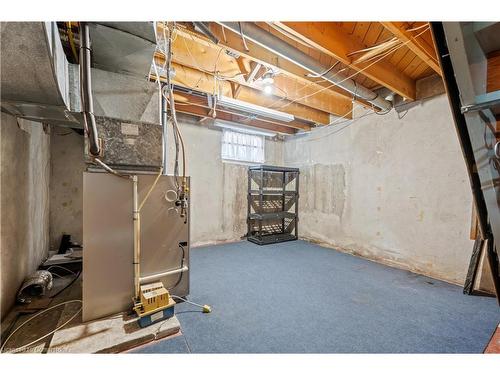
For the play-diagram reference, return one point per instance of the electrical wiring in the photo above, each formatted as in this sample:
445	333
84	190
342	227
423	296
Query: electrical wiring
150	190
177	133
109	169
379	58
47	334
243	37
179	279
62	268
320	75
206	308
419	27
213	72
77	275
347	123
354	74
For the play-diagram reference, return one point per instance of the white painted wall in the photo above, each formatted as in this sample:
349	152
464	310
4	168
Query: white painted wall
393	190
25	172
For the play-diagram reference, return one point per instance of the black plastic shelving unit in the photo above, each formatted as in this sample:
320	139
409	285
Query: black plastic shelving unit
273	197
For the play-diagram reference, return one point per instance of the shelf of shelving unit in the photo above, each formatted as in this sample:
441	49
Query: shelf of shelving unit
273	194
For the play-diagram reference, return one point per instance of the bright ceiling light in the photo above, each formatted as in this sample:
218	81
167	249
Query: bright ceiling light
268	90
254	109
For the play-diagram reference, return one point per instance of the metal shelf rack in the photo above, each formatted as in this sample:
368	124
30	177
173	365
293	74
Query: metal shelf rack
272	214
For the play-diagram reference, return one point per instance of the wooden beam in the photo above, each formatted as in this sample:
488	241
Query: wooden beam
417	45
339	101
235	89
332	39
493	77
242	66
192	78
204	113
195	52
255	69
202	101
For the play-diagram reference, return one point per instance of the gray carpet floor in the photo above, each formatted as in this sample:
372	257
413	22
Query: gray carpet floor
297	297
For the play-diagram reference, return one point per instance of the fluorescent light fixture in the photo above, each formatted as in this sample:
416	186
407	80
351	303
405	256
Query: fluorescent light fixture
243	128
254	109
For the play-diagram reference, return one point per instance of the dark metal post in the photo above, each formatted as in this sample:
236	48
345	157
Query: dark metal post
297	174
261	200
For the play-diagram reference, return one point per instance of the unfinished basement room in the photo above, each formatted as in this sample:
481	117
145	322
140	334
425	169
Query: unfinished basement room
235	187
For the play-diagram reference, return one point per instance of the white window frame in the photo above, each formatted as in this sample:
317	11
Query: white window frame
238	148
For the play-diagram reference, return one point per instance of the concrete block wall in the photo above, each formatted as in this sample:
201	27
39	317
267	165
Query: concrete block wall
25	175
390	188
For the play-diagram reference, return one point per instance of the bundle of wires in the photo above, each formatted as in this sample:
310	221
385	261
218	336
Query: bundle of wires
166	49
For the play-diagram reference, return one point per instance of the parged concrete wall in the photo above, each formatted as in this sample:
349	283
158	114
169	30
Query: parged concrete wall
66	185
390	189
25	171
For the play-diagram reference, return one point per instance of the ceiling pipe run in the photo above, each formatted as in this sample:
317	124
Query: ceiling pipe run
205	30
281	48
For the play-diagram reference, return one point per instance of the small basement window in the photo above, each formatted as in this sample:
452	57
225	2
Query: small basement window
242	147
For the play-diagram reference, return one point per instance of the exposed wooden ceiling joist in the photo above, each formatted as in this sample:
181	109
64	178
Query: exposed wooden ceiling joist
333	40
259	54
190	50
204	112
415	43
206	58
195	79
202	101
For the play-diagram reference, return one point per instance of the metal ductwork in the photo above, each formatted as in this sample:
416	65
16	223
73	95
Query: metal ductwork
86	90
287	51
39	84
36	77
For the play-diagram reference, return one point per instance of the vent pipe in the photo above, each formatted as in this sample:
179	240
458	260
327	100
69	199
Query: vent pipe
281	48
86	90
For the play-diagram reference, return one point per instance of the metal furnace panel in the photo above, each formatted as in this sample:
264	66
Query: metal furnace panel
108	278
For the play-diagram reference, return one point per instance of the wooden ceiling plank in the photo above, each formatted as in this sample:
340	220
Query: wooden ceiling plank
329	38
416	44
412	65
415	74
